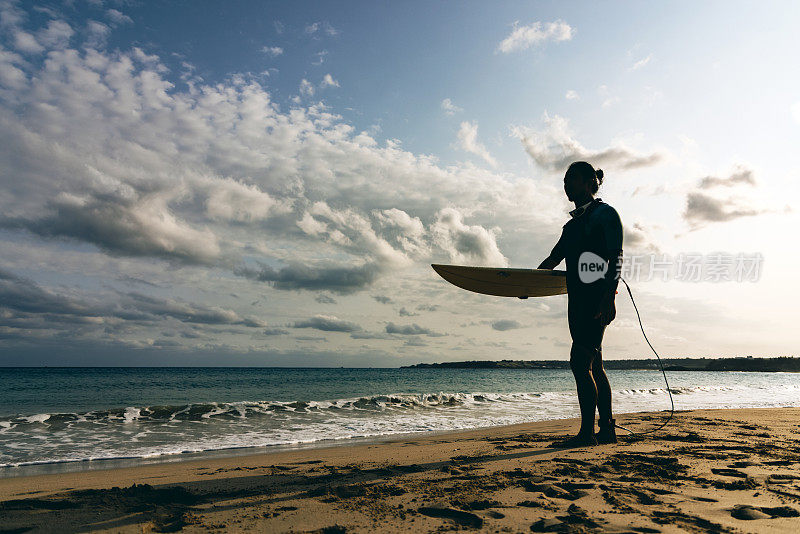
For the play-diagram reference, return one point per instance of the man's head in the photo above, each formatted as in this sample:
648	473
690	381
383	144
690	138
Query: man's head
581	181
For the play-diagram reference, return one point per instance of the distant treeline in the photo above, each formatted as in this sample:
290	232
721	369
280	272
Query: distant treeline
784	364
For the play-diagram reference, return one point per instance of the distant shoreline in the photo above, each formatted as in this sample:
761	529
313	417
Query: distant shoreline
785	364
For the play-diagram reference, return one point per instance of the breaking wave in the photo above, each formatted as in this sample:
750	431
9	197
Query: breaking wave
153	431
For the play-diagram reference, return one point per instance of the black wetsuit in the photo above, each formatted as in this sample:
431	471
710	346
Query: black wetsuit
596	229
591	239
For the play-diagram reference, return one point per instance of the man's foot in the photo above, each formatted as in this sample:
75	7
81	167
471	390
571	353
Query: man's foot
581	440
607	433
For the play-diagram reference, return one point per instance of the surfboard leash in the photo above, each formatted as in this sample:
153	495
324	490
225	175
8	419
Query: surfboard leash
661	366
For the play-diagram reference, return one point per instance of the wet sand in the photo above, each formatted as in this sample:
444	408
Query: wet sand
708	471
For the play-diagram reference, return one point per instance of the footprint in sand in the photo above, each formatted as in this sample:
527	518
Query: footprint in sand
781	478
576	520
482	504
749	513
728	472
554	491
466	519
742	463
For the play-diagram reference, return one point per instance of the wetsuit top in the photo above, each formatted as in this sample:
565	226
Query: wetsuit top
595	228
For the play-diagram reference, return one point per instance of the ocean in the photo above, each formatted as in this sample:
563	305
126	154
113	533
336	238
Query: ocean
59	419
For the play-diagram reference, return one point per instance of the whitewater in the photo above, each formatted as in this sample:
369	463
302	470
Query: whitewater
87	416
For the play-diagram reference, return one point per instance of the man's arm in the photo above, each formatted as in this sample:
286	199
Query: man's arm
549	263
555	257
606	309
612	231
614	270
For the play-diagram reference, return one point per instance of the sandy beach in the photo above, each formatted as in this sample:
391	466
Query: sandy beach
708	471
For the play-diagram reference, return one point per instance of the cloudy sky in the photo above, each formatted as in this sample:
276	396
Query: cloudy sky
258	183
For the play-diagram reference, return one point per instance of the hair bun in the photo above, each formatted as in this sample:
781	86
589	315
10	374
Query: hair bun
599	174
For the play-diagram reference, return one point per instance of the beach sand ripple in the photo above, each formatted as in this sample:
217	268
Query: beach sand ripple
710	471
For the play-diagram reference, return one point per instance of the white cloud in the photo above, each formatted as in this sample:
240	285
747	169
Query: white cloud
328	81
741	175
25	42
46	10
450	108
468	141
11	15
11	75
410	330
523	37
554	148
320	58
25	299
327	323
306	88
506	324
273	51
406	231
572	95
638	239
642	62
97	34
102	156
177	167
118	17
464	243
56	35
321	27
118	226
230	200
702	209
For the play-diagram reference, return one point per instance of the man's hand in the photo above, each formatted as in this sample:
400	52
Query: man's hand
606	311
548	263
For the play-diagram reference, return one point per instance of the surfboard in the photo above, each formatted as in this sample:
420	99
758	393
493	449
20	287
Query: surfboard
503	282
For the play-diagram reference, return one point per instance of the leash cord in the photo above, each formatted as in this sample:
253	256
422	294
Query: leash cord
661	366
